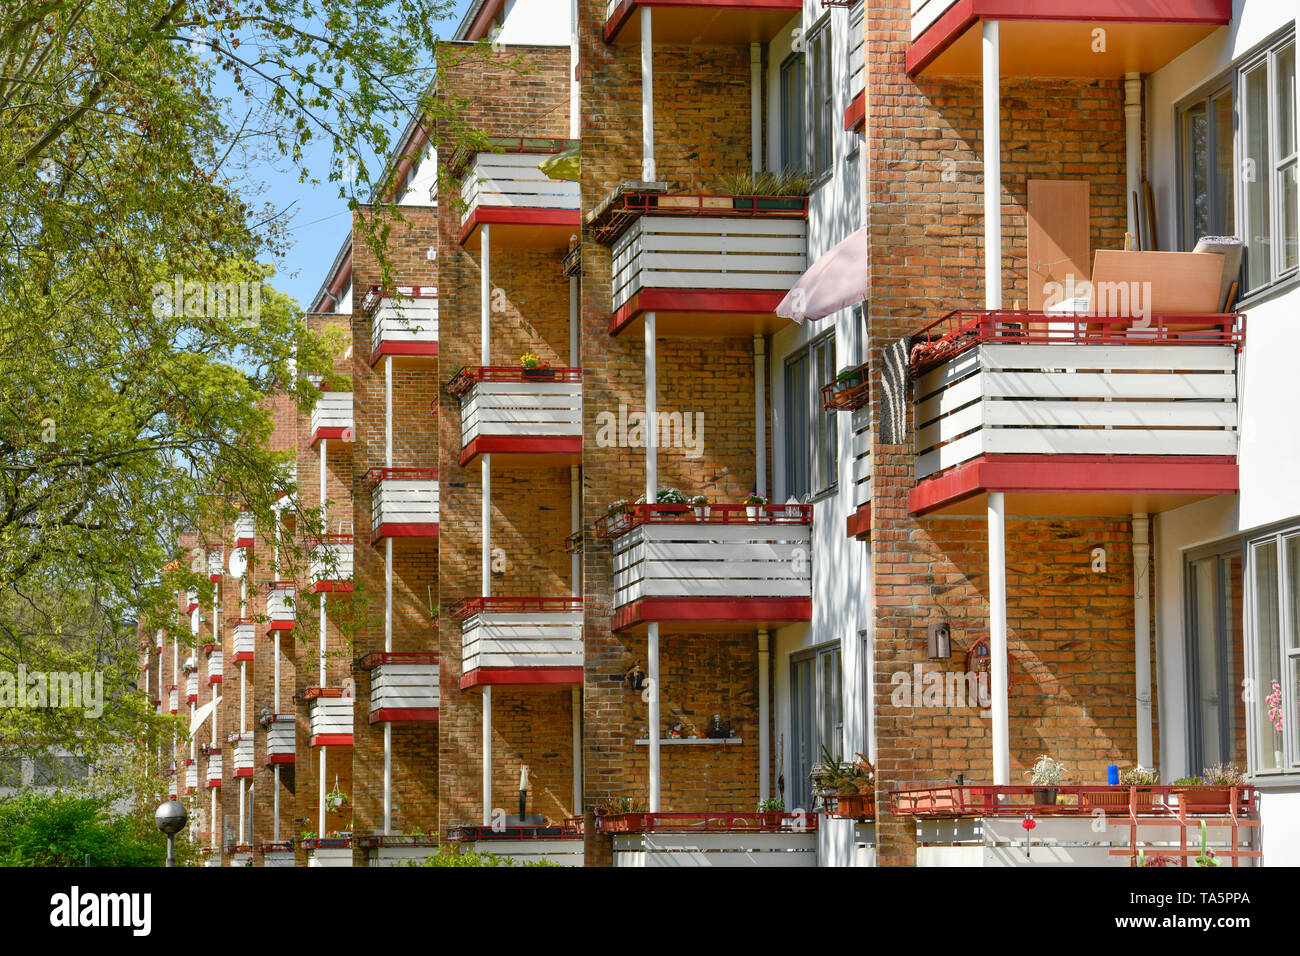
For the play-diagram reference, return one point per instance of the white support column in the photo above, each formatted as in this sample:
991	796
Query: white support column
760	415
243	807
998	638
1142	637
647	99
321	659
485	519
487	755
275	809
575	704
575	525
388	411
651	406
764	714
485	294
320	795
388	594
756	106
275	679
212	829
992	169
1132	148
243	697
574	292
323	443
652	668
388	777
575	89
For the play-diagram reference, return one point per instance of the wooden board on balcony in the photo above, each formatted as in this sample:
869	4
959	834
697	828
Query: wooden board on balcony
1056	237
1180	282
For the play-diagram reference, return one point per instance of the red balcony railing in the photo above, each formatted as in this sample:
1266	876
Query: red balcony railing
624	518
775	821
1080	800
375	475
379	658
466	378
468	607
612	219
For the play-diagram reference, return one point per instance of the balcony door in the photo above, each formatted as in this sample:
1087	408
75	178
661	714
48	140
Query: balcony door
1215	666
816	716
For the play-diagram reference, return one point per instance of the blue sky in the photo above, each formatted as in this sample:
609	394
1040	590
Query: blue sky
319	219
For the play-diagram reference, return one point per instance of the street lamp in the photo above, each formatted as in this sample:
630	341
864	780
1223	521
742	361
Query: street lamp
170	818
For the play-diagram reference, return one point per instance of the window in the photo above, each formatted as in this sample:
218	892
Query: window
811	446
821	95
816	716
792	87
1273	650
1216	671
1255	197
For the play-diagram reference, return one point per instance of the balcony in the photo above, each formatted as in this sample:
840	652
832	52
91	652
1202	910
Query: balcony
331	417
1056	39
520	641
281	738
523	416
706	265
330	716
214	769
712	839
508	191
398	849
245	530
403	503
1074	416
191	776
192	688
172	699
245	639
277	854
191	600
403	686
855	115
215	565
242	747
984	825
331	563
562	845
328	851
721	566
280	606
699	23
403	323
214	667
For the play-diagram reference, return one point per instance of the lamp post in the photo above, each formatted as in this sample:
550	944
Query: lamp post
170	818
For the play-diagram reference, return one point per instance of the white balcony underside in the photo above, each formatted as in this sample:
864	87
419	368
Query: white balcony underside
514	179
409	322
925	12
551	639
762	253
404	686
404	501
688	561
1077	400
715	849
331	716
522	409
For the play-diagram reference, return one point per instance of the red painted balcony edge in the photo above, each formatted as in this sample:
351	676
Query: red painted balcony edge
855	116
1077	474
280	626
332	587
280	759
623	12
342	434
722	301
244	772
521	445
404	715
712	610
331	740
214	679
858	524
245	542
404	529
519	216
521	676
214	783
242	656
417	349
954	21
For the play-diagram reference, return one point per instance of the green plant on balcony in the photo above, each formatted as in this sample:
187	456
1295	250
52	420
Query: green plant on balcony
1224	775
748	186
701	503
1139	777
850	785
535	366
1046	776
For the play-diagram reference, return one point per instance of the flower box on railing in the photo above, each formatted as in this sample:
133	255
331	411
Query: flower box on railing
245	639
849	392
327	843
403	321
281	738
403	502
280	605
331	563
853	806
208	749
245	529
779	821
403	686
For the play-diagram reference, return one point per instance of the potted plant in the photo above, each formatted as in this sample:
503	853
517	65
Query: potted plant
1047	775
335	800
535	367
671	497
1138	777
767	190
701	506
621	814
1210	792
753	505
771	811
846	789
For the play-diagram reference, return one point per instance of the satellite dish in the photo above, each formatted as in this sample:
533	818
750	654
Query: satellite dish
238	562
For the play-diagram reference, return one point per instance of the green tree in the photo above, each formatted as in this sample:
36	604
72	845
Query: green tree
59	829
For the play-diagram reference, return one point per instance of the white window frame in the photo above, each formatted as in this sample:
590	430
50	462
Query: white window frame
1288	580
819	76
823	431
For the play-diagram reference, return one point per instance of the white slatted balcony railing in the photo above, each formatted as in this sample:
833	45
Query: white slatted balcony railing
214	769
331	417
404	322
513	180
508	634
403	502
191	688
860	427
702	252
925	12
214	667
330	717
403	686
857	50
331	563
281	738
192	600
1162	391
191	775
244	643
245	529
216	564
242	747
172	698
280	605
732	555
513	409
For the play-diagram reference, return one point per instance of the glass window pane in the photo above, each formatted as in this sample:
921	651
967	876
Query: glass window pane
1196	149
1256	173
1205	634
796	426
1292	565
1285	73
1268	670
1221	218
1234	666
1289	232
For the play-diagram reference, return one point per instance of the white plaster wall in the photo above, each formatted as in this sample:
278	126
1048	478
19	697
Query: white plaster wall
422	184
536	22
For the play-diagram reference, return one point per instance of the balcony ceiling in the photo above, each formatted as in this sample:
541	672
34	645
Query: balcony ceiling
702	23
1056	40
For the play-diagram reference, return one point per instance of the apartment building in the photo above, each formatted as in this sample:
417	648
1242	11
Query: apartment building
950	523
